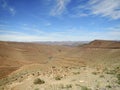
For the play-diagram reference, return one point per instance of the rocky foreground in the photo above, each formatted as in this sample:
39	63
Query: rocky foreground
27	66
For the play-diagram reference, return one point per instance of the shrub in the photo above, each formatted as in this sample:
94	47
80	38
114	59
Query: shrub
39	81
66	86
59	50
53	66
114	71
108	86
85	88
111	72
76	73
118	77
50	57
36	88
58	78
94	73
69	86
102	76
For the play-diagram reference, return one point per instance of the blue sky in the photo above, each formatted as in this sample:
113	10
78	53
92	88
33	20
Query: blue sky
59	20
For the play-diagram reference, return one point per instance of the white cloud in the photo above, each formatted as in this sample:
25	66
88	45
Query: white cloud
11	32
27	38
114	31
7	35
79	15
48	24
105	8
10	9
59	7
71	34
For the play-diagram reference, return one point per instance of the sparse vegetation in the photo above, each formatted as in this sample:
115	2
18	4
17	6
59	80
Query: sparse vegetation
58	78
78	85
39	81
33	74
114	71
50	57
118	78
111	72
69	69
69	86
53	66
108	86
102	76
85	88
59	50
66	86
94	73
36	88
75	73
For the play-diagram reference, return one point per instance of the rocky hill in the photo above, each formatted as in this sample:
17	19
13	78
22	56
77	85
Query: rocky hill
103	44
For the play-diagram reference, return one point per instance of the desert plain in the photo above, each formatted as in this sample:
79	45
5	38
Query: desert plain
35	66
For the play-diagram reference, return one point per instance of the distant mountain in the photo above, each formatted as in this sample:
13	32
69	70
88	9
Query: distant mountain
103	44
64	43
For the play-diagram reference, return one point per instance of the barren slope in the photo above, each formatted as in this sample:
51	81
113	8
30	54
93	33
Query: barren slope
93	66
103	44
14	55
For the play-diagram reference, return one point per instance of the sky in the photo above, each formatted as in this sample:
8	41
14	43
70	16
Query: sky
59	20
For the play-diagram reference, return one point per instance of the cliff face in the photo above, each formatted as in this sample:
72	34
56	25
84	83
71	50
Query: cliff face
103	44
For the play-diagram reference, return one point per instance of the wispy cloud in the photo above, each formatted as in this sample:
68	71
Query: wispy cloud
15	37
59	7
78	14
6	25
48	24
72	34
8	35
11	32
105	8
114	31
10	9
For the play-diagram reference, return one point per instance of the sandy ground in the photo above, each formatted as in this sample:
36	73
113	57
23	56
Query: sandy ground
58	68
71	78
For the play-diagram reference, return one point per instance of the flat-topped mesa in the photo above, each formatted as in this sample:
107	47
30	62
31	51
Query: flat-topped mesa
103	44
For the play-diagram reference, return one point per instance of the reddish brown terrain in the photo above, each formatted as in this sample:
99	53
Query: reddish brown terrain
15	54
103	44
83	64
